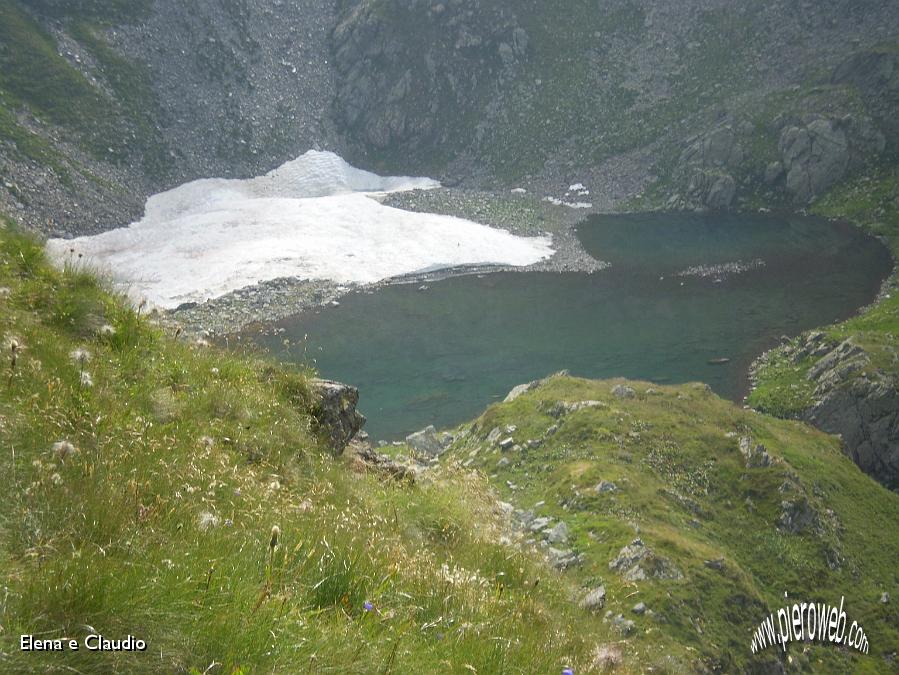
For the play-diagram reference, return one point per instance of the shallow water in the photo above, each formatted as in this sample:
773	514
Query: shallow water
439	356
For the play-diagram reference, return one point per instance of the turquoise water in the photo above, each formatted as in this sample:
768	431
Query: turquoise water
442	355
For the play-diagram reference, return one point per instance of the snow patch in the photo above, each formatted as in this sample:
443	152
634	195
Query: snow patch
571	205
315	217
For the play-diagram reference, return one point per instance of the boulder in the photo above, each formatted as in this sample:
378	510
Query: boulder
557	534
605	486
622	391
721	193
426	442
773	172
797	516
595	600
755	455
334	413
815	157
636	562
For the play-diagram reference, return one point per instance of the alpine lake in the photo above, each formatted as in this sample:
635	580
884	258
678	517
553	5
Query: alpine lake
687	298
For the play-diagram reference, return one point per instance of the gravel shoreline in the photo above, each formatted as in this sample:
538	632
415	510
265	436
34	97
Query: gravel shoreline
521	214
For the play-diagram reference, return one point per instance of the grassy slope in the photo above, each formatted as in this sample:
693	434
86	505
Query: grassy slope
683	482
871	202
113	537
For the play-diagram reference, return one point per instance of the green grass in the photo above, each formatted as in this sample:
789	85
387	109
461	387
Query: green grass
160	524
682	481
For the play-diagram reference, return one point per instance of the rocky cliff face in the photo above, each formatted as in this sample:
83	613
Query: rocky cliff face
697	104
849	396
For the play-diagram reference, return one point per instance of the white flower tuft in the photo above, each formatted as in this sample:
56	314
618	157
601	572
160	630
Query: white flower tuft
86	379
207	521
106	330
80	356
63	450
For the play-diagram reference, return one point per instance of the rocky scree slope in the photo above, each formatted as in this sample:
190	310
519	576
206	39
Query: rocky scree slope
104	102
689	104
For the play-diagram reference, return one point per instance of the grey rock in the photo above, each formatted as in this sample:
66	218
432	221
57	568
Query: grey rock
815	157
540	524
625	626
639	608
334	413
506	443
426	442
558	534
755	455
636	562
798	516
595	600
721	193
503	463
623	391
773	172
605	486
520	41
563	559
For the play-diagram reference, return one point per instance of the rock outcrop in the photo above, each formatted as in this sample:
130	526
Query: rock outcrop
864	411
852	399
335	414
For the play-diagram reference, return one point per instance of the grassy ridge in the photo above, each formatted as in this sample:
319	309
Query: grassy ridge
684	488
158	521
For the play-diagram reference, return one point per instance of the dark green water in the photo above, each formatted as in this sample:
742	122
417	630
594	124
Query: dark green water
442	355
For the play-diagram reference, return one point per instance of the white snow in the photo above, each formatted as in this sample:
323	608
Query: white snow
313	218
555	201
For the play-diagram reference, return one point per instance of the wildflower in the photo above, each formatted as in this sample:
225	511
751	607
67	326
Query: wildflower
207	521
214	371
276	533
229	522
367	606
14	348
56	479
106	330
63	450
86	379
80	356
